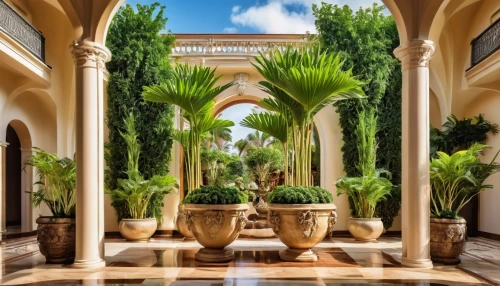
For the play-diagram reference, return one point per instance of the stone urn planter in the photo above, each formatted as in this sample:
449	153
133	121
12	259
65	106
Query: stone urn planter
448	237
365	229
261	208
56	239
215	227
181	224
137	230
301	227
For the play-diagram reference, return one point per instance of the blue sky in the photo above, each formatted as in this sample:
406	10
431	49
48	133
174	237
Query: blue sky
244	16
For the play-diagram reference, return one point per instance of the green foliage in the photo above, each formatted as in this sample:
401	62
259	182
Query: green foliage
235	168
211	195
57	183
299	195
456	179
133	194
367	146
263	161
140	57
214	162
460	134
366	40
365	192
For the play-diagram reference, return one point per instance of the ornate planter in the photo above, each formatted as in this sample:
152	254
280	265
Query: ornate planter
137	229
365	229
215	227
448	238
301	227
261	208
56	239
181	224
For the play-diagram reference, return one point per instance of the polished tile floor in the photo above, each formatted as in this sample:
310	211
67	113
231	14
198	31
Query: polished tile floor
171	262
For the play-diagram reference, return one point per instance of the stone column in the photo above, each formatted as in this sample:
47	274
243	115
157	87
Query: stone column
3	178
415	206
26	185
90	58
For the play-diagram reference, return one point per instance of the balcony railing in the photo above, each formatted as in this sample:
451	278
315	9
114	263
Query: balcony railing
486	43
23	32
232	44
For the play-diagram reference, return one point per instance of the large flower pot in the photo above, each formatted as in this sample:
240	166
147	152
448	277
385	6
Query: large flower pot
137	230
365	229
301	227
181	224
215	227
448	238
56	239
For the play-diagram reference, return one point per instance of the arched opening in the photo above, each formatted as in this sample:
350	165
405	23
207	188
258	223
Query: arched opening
13	181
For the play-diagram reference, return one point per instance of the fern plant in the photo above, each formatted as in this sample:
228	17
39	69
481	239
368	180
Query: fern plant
57	183
135	191
456	179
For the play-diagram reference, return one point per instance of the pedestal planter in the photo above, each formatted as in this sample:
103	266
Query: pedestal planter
137	229
181	224
215	227
301	227
56	239
365	229
447	239
262	209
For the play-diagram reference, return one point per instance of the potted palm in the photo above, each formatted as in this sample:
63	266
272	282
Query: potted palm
193	89
215	216
57	189
365	191
455	180
135	192
300	82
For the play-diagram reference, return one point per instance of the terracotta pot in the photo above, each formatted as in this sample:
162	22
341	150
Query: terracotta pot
448	238
56	239
181	224
137	229
301	227
215	227
365	229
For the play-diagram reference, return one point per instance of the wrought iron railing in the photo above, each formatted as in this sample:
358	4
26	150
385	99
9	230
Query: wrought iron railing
485	44
231	45
23	32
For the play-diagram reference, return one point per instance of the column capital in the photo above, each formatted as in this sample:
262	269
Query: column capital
415	53
90	54
4	144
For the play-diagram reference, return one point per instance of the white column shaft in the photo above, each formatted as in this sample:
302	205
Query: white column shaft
415	205
3	178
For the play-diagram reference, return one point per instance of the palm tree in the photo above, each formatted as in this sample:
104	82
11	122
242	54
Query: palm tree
242	146
309	80
258	139
193	89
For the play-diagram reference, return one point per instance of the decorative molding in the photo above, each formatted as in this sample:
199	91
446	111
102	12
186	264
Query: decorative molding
18	28
332	220
213	220
274	220
90	54
4	144
242	220
414	54
188	218
308	222
241	79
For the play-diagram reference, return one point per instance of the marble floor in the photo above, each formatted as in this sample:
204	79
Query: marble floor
171	262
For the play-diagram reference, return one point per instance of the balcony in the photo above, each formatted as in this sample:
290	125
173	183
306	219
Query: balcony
23	32
231	45
487	43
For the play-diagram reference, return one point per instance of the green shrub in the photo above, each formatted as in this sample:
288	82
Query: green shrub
211	195
299	195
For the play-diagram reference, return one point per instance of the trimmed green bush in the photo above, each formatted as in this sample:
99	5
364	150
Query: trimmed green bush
299	195
210	195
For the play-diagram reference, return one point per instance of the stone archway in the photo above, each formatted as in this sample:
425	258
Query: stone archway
18	210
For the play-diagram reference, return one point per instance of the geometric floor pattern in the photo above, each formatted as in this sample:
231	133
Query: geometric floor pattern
170	261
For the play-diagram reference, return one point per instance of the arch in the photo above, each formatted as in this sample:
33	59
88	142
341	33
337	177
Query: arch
26	175
234	100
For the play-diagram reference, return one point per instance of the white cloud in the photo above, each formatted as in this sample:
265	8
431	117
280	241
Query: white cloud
275	18
230	30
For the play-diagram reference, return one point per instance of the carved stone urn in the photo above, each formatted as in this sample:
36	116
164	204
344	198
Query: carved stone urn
365	229
215	227
261	207
56	239
448	237
181	224
301	227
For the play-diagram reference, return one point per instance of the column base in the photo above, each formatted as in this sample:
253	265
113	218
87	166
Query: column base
417	263
98	263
